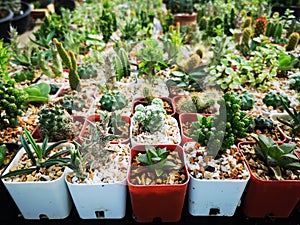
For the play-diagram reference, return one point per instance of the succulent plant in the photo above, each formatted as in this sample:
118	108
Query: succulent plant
246	37
87	70
192	63
260	26
113	100
247	99
2	154
263	124
69	60
202	23
180	6
157	159
55	123
12	99
295	82
39	157
274	99
152	116
220	131
275	156
247	23
292	41
121	64
13	5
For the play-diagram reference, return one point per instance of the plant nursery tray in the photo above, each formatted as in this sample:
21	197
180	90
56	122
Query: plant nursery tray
186	219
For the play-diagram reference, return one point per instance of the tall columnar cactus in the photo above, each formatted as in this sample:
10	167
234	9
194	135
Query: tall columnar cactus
55	123
246	37
121	64
69	60
292	42
247	22
202	23
260	26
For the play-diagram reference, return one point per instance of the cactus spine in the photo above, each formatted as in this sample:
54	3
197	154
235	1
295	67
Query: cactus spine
292	42
260	26
69	60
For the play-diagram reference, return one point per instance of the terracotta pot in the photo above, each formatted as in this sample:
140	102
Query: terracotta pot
185	19
276	198
164	201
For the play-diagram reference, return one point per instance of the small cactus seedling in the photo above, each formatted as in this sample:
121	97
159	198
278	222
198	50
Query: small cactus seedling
273	99
113	100
151	117
247	23
248	100
192	63
55	123
292	42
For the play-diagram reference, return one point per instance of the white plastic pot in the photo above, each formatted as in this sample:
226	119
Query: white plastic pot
214	197
99	201
35	200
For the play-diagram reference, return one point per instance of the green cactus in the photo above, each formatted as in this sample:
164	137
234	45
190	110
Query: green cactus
247	99
2	154
246	37
55	123
121	64
152	116
273	99
69	60
294	82
202	23
292	42
87	71
192	63
260	26
247	23
180	6
113	100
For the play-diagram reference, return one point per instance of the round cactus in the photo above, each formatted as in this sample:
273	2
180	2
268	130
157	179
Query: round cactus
292	41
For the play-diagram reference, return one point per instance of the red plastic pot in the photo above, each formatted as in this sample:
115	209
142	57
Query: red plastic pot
275	198
188	117
141	100
164	201
96	118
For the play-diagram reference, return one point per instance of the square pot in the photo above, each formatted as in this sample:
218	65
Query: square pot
164	201
36	200
275	198
99	201
8	208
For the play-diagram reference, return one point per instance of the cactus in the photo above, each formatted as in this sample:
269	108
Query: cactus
192	63
246	37
87	70
247	99
247	23
121	64
260	26
180	6
202	23
273	99
69	60
55	123
292	42
152	116
113	100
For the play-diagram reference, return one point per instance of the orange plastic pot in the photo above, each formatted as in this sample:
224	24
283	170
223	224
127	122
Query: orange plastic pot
163	201
274	198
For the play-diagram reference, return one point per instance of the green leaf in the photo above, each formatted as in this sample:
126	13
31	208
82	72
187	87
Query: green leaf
287	147
277	172
51	147
19	172
142	158
27	149
44	146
